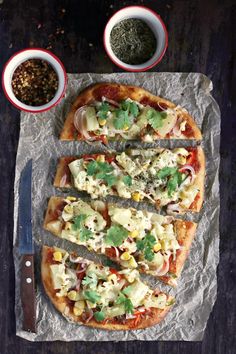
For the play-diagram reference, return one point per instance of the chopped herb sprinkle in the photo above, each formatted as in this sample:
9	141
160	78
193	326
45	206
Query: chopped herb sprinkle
132	41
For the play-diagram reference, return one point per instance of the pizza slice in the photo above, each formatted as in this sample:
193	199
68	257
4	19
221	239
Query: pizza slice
173	179
98	296
109	111
136	239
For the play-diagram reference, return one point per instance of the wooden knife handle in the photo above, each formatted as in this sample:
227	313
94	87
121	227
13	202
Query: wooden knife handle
28	293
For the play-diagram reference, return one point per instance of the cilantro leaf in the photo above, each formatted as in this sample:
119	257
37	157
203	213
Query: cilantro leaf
146	246
92	296
90	281
174	178
166	171
78	225
116	235
127	290
127	180
99	316
78	221
122	119
122	299
131	107
155	118
85	234
103	110
102	170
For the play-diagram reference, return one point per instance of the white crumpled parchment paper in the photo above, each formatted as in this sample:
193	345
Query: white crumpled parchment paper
197	287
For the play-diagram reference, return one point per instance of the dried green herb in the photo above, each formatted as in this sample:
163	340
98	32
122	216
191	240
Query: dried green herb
132	41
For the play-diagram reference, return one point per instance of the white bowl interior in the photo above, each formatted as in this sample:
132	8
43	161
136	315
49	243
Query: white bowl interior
33	54
152	21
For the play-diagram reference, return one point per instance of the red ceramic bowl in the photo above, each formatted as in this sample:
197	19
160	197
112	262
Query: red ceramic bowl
156	24
33	53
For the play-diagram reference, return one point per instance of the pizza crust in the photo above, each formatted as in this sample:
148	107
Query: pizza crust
121	92
200	180
60	303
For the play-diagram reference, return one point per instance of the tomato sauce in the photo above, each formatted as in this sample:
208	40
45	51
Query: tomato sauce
188	132
108	91
157	106
193	160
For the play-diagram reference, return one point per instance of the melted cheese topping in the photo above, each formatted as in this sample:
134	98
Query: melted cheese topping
143	173
136	223
103	123
113	293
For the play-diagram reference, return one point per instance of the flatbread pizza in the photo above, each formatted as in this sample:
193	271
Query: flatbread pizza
100	297
135	239
171	179
110	111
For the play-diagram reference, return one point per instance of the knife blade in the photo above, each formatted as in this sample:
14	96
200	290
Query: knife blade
26	249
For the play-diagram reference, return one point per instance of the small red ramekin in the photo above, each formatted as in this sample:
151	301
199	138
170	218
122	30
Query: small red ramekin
33	53
156	24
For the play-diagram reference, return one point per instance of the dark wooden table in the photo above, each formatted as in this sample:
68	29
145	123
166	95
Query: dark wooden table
201	39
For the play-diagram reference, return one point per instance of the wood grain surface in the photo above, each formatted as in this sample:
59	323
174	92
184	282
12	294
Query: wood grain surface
202	38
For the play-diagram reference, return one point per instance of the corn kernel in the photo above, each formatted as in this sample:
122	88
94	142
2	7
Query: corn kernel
133	233
73	295
136	196
69	209
80	305
102	122
100	158
125	256
157	247
132	262
126	127
112	277
68	225
71	199
77	312
57	256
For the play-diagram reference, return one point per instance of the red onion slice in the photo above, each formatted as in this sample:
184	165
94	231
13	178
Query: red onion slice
188	168
63	181
163	270
176	130
112	102
80	123
90	316
117	252
78	285
129	316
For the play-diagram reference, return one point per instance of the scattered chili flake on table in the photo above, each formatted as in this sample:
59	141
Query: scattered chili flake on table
35	82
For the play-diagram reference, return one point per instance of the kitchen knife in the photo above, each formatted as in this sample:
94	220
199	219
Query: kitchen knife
26	248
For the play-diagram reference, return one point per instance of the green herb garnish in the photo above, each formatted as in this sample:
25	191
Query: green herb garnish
102	170
146	246
122	119
174	178
155	118
78	225
122	299
103	110
127	180
90	281
92	296
99	316
116	235
131	107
